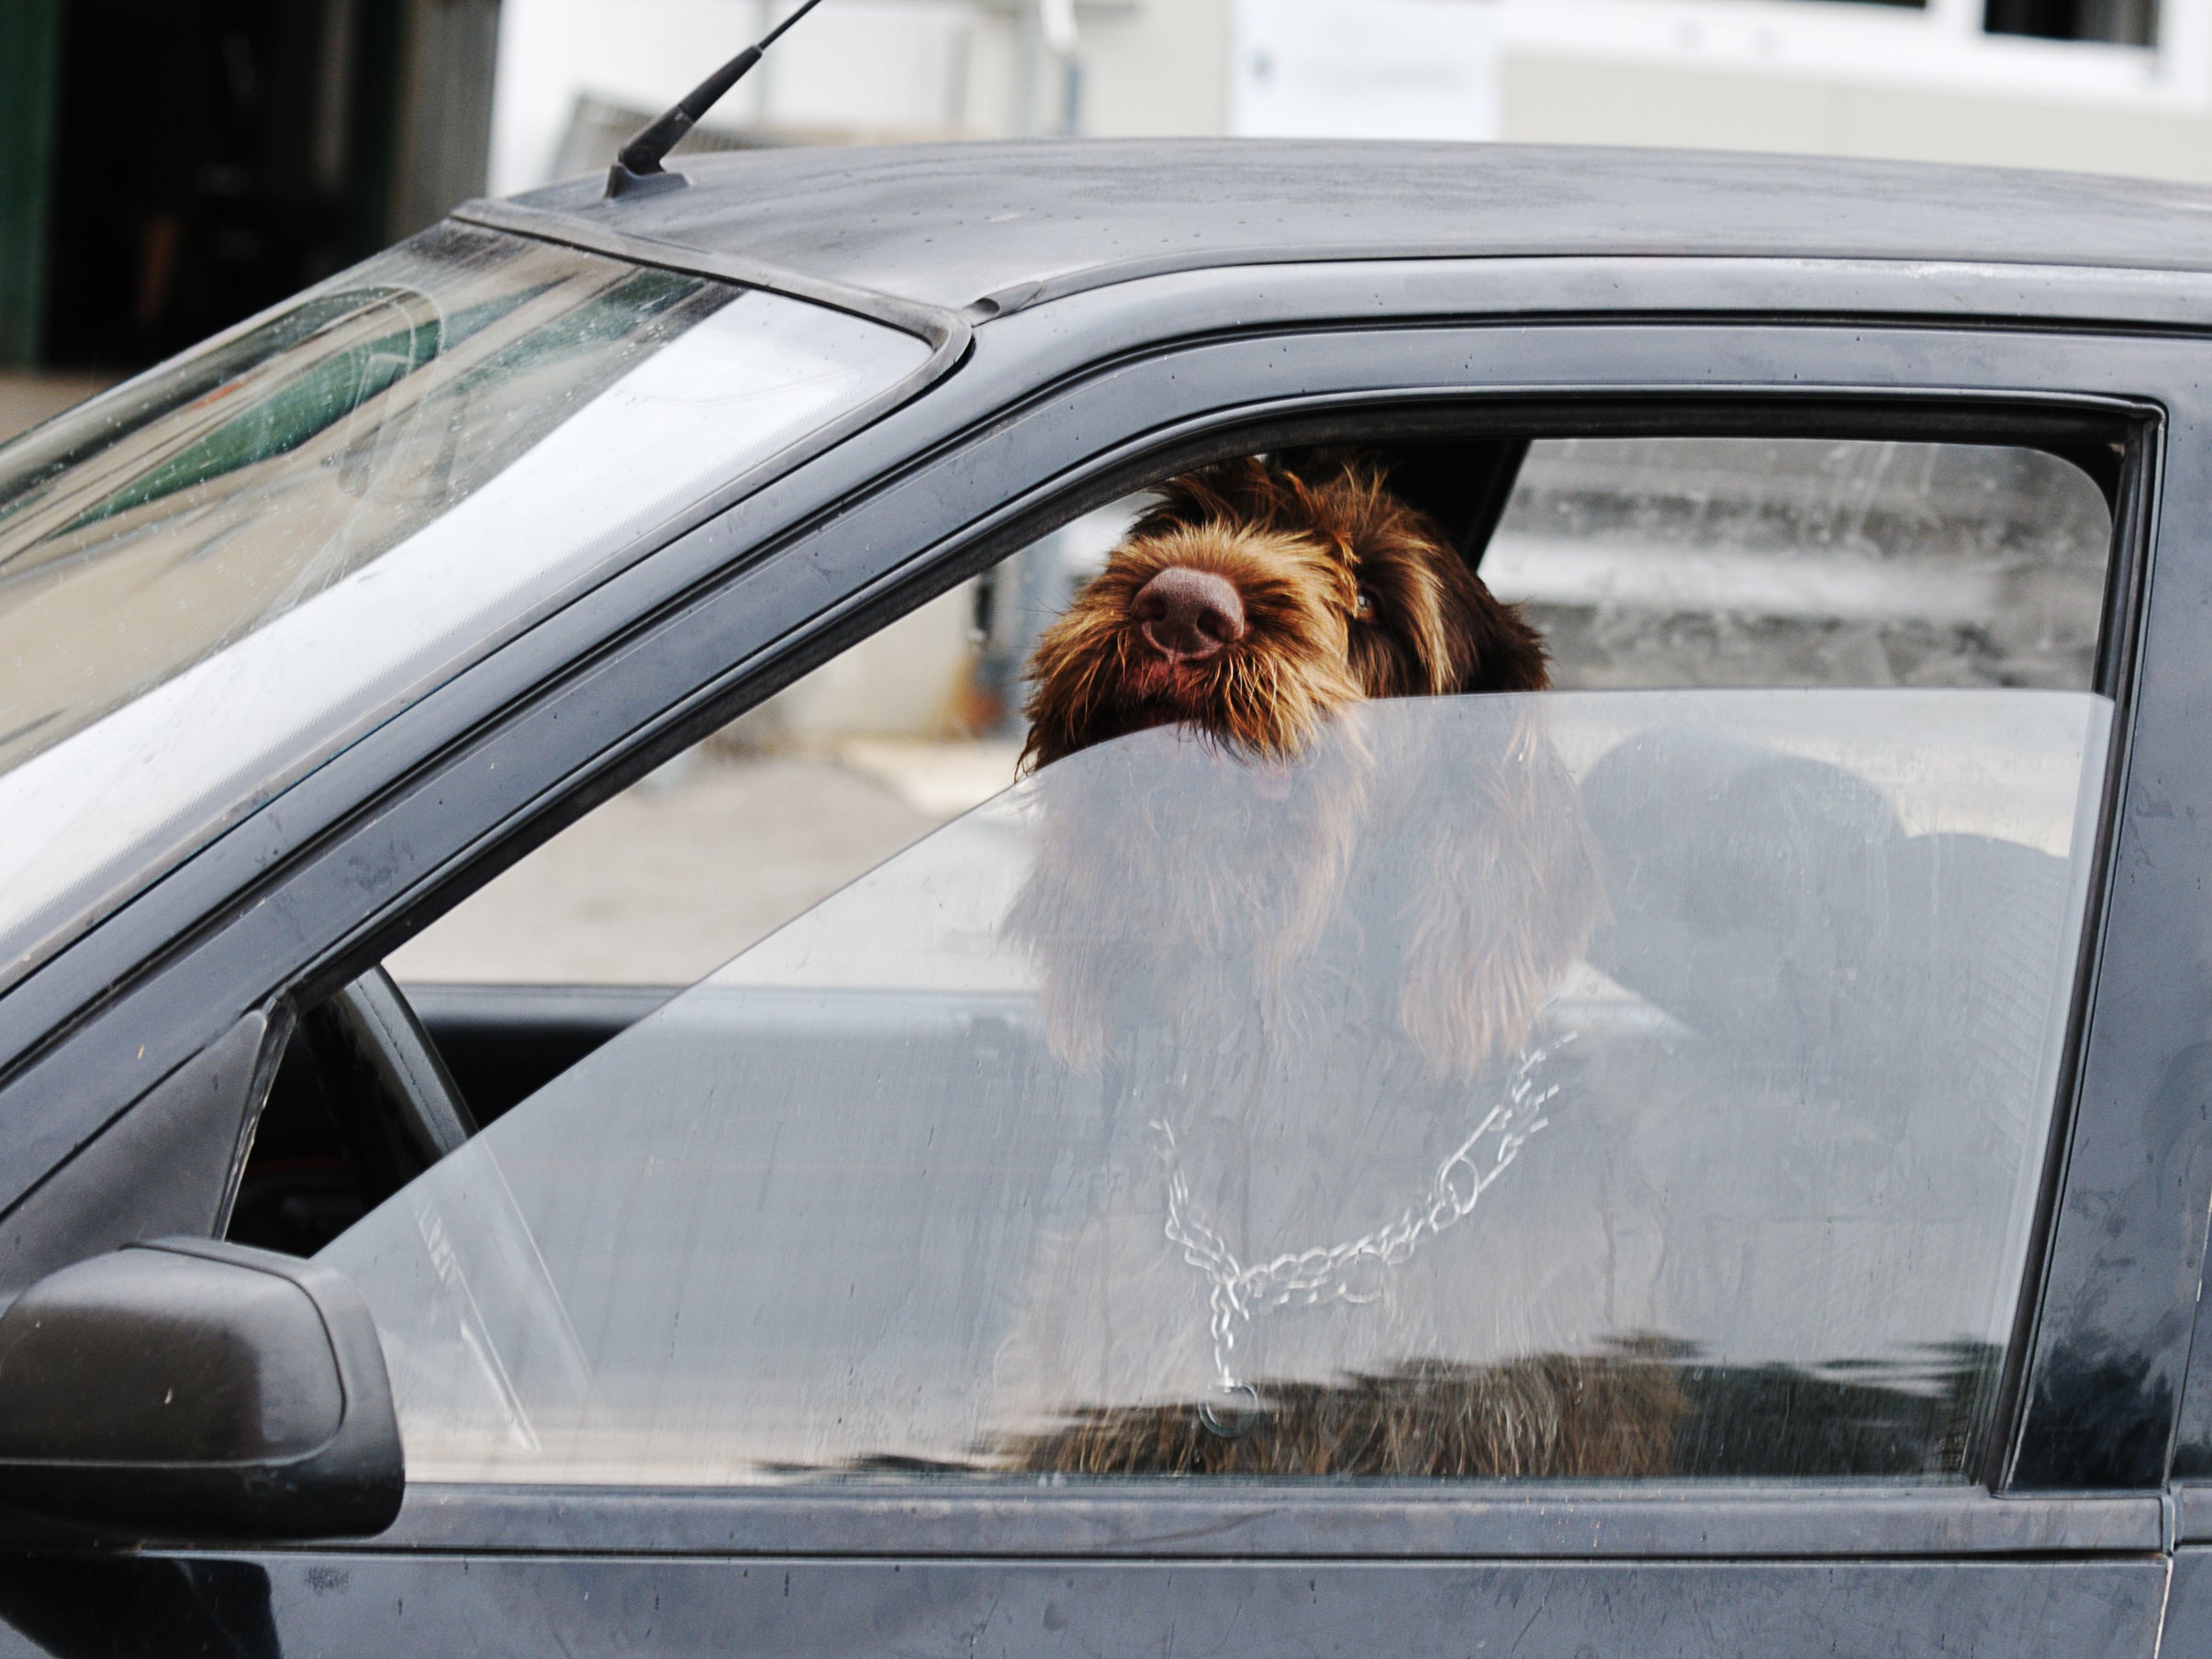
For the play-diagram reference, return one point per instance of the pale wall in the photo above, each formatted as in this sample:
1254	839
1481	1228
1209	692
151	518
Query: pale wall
1166	71
1585	103
1161	67
1161	72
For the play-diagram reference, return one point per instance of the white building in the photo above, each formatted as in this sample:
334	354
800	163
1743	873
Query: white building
2129	92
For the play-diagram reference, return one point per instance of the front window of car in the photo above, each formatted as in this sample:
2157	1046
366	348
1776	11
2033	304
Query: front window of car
213	576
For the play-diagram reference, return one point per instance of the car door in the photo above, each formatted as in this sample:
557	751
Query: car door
2048	1535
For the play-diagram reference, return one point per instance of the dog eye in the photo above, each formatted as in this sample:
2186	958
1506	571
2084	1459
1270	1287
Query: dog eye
1363	604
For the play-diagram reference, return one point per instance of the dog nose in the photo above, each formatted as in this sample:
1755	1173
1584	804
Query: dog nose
1189	615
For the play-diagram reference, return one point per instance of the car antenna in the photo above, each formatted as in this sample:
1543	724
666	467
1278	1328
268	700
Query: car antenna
638	169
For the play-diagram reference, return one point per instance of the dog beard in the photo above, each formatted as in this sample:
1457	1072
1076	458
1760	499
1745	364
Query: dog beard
1407	880
1178	892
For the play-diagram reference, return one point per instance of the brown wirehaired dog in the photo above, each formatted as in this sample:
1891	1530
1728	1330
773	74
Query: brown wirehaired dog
1301	940
1251	603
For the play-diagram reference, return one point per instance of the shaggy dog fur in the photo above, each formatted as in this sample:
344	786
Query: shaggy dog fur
1242	945
1550	1416
1146	871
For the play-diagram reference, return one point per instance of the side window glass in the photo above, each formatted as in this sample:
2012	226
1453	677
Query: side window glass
1575	1086
1389	1077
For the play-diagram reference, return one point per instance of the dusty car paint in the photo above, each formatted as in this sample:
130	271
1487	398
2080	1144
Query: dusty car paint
2020	305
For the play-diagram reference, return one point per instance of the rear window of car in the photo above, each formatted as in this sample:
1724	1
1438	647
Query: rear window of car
214	574
1588	1084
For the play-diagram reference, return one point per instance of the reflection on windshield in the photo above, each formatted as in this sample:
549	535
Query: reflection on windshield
1594	1084
213	576
198	512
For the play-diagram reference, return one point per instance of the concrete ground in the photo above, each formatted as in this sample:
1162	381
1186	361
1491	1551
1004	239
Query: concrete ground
668	881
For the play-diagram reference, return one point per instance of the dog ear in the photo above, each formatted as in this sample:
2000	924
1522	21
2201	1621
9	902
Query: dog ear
1500	651
1501	887
1446	634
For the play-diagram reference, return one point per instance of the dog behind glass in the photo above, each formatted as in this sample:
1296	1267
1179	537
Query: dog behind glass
1305	946
1245	610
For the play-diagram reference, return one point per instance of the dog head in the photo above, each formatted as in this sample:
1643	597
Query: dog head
1246	608
1252	602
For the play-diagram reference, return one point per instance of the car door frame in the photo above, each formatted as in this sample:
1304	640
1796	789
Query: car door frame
659	678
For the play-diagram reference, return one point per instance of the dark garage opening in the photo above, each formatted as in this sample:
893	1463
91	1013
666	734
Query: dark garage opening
205	159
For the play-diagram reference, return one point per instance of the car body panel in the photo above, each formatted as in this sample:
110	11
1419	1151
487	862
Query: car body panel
2188	1625
952	225
1330	1520
800	1605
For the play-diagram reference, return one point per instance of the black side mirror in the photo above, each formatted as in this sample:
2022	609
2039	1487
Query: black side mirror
192	1390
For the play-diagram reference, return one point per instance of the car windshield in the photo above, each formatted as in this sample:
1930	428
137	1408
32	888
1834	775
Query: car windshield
216	574
1591	1084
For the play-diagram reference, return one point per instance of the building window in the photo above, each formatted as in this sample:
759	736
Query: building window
2142	54
2116	22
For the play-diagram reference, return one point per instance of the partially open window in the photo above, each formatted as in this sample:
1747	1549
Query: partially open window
1641	561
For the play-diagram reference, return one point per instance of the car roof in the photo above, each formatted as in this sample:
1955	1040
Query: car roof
951	225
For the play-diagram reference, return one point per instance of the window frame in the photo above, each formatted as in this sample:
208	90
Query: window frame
597	718
1690	1517
1676	1516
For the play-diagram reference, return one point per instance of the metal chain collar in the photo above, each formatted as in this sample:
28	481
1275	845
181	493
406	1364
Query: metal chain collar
1240	1294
